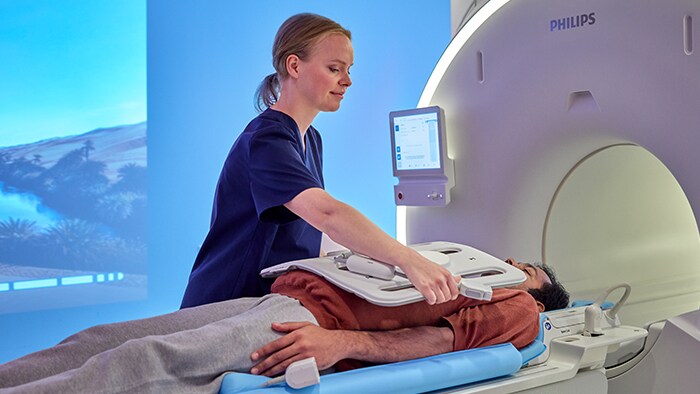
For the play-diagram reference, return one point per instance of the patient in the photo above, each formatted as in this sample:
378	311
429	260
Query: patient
189	350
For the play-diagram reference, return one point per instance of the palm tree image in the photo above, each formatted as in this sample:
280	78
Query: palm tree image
133	178
61	215
88	146
72	243
17	230
18	238
101	222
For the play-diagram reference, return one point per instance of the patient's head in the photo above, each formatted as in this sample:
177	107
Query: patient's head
542	285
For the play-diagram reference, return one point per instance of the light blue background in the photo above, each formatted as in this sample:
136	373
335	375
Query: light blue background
205	60
70	66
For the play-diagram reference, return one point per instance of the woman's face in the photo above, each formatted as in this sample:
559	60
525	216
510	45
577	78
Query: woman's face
325	75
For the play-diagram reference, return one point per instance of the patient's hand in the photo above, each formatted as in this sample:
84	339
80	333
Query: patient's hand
437	284
303	340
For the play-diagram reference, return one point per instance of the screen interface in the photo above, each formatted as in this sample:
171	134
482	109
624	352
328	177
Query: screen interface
417	146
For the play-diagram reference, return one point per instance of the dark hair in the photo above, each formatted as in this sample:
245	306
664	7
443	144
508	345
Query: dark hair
552	296
295	37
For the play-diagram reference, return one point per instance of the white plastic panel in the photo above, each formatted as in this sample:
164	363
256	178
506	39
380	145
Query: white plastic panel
480	272
524	105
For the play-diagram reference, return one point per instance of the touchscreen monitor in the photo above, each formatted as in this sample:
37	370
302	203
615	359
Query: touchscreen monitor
417	139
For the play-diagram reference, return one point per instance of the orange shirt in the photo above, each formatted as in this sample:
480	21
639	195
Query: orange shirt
510	316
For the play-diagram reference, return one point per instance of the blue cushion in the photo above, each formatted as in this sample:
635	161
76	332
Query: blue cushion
604	305
421	375
532	350
463	367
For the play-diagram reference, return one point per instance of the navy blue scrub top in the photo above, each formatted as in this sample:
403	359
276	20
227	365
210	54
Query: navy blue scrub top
250	227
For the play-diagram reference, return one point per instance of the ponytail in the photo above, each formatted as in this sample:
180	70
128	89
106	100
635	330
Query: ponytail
267	93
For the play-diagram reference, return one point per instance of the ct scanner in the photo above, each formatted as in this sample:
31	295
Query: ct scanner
575	142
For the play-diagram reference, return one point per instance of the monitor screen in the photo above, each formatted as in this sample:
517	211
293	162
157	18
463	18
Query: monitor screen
416	141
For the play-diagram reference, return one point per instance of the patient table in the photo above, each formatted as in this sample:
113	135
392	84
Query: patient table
574	363
558	353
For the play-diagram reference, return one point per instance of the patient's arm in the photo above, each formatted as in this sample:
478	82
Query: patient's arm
330	346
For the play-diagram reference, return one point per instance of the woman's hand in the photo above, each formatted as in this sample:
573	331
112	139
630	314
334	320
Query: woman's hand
350	228
437	284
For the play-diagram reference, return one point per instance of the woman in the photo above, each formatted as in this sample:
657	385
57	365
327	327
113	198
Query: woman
270	206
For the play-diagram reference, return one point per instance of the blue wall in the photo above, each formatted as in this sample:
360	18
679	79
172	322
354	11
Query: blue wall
205	60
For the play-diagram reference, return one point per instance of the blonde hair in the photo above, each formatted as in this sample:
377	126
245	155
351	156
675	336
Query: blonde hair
296	36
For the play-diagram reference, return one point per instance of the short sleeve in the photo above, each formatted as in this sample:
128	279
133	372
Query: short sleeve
514	319
277	173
